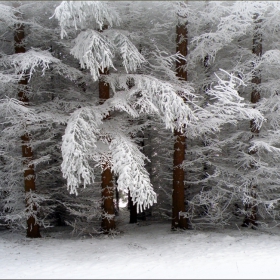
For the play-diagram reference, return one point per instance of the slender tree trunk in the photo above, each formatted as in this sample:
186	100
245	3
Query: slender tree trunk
131	207
33	229
107	185
178	195
251	208
108	222
132	210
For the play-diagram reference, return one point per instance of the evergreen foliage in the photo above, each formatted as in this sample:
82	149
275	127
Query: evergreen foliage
74	136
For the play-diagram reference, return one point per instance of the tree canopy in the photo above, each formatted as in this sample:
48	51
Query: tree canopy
71	47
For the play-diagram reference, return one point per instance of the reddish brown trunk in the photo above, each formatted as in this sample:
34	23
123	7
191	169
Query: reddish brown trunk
251	217
107	186
33	230
178	195
104	89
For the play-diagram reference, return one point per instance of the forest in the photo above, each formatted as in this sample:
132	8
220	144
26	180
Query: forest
139	110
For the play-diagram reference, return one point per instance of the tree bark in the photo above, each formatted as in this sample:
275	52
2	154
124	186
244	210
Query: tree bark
178	195
251	208
33	229
107	185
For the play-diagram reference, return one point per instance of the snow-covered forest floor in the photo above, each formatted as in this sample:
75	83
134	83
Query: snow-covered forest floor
147	250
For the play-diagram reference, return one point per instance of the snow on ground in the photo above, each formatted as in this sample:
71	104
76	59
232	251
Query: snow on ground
145	251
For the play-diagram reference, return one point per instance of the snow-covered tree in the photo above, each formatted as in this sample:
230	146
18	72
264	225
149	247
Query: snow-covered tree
229	177
39	116
75	50
87	133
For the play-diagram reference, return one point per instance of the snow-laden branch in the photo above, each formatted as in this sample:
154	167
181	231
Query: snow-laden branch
171	102
239	19
94	52
75	13
128	163
228	105
15	111
8	14
66	71
157	97
268	59
85	145
258	145
78	147
163	64
26	63
122	102
131	57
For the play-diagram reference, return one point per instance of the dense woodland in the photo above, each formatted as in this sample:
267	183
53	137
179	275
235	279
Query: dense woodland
169	108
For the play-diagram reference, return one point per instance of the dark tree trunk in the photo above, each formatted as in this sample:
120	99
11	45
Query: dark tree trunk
131	207
178	195
132	210
251	208
107	185
33	229
107	188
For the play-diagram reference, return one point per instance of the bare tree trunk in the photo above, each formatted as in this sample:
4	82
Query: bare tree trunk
251	208
178	195
33	229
